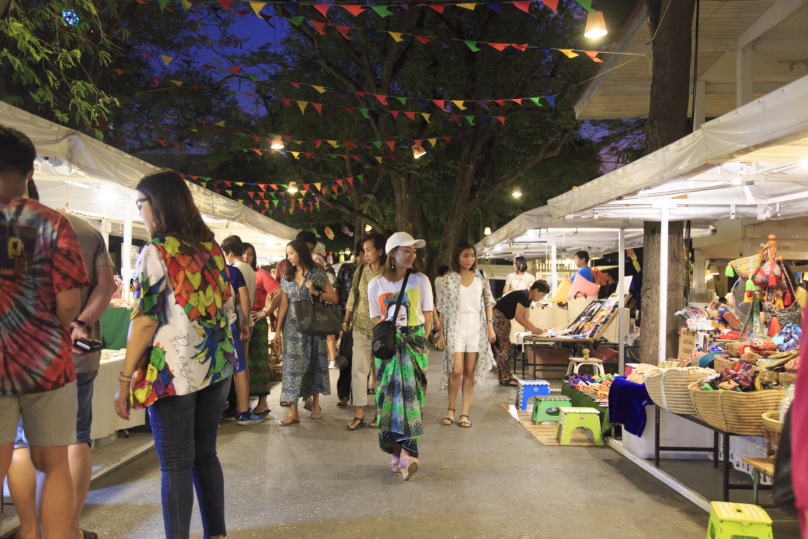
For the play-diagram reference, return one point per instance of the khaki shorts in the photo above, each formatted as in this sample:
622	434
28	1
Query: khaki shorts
48	418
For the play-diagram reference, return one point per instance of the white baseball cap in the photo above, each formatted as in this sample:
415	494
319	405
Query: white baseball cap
402	239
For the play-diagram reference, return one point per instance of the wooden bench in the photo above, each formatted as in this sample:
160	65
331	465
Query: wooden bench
759	466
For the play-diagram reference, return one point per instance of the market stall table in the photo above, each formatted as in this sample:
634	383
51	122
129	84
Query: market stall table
105	420
543	354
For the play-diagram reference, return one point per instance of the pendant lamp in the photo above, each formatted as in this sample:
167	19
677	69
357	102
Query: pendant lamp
595	25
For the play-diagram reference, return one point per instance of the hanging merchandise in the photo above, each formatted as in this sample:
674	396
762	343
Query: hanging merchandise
346	231
329	233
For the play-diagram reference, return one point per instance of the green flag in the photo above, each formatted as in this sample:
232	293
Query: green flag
383	11
470	119
296	20
402	99
472	45
536	100
378	144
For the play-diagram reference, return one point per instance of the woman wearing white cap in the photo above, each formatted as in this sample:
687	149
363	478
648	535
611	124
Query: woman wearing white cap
401	380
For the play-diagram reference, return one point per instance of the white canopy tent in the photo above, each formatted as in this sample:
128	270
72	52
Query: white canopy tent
86	176
751	163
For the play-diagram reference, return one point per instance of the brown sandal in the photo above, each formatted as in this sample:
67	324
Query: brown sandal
317	414
285	423
446	418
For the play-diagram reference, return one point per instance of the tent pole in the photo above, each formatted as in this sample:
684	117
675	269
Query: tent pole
126	260
663	284
621	300
554	261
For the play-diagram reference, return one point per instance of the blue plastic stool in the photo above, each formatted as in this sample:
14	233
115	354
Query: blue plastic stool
529	389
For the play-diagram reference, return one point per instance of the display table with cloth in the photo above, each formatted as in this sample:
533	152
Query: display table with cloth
115	327
581	400
627	402
105	420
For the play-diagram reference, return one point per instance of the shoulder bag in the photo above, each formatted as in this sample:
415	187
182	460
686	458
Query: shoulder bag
316	318
384	333
346	342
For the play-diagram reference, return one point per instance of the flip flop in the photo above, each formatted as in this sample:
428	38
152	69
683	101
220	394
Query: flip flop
318	416
282	424
359	425
308	405
511	383
451	421
286	404
262	413
468	420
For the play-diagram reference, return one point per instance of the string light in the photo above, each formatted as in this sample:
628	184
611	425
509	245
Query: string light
517	192
277	143
292	188
368	228
418	151
487	230
595	25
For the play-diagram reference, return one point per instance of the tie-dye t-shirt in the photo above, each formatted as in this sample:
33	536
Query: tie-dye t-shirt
40	257
193	346
382	297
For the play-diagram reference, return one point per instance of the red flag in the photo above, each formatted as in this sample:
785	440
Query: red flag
194	178
119	71
295	84
207	67
349	109
594	56
356	157
501	119
440	103
410	115
354	10
335	188
235	69
423	39
196	86
257	138
257	151
162	142
287	102
350	181
437	7
520	47
176	144
499	102
382	98
225	4
552	4
306	187
517	101
447	139
361	94
524	6
394	113
392	144
275	187
263	188
454	117
319	26
317	142
248	94
288	138
242	13
344	31
323	9
319	107
339	182
157	80
502	46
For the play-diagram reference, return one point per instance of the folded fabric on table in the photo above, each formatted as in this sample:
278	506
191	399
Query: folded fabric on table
788	338
627	402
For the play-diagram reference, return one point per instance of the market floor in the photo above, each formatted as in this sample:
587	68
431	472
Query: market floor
316	479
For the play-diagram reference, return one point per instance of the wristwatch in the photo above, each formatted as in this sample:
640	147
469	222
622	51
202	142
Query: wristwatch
82	323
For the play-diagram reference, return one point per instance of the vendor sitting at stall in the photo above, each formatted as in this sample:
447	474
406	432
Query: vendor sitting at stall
582	263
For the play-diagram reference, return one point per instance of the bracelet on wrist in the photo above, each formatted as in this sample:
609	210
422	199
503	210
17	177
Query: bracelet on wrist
123	378
82	323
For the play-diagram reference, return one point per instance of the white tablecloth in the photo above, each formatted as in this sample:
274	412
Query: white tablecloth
105	420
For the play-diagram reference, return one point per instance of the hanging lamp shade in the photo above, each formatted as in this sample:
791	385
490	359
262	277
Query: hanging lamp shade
487	230
595	25
517	192
418	151
277	143
292	188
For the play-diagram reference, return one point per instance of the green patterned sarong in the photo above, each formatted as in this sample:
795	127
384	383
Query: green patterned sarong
258	360
400	390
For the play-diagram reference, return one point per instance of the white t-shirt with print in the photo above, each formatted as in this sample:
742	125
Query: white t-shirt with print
249	278
382	296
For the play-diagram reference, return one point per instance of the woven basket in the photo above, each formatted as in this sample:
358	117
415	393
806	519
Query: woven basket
772	423
676	392
787	379
767	376
721	364
734	411
653	384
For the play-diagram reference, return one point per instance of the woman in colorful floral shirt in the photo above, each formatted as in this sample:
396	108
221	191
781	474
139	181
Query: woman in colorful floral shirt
180	354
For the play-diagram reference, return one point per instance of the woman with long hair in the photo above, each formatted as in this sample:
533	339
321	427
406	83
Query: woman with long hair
520	279
305	357
258	355
359	321
180	355
466	329
401	380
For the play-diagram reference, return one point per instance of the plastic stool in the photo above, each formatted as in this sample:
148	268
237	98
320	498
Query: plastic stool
576	362
529	389
728	520
572	418
542	406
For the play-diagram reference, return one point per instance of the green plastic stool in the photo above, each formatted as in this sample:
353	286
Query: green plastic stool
542	405
573	418
728	520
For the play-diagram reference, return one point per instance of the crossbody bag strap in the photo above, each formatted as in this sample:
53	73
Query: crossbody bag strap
400	297
210	269
356	292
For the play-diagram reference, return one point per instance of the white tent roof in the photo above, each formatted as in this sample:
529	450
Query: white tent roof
532	233
745	164
78	172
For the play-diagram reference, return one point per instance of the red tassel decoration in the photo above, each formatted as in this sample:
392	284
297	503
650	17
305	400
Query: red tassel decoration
774	327
788	299
772	280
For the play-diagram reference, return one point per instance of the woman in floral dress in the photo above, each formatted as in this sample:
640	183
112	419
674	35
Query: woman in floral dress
467	329
305	357
520	279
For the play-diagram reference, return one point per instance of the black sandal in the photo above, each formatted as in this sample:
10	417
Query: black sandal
451	421
468	420
511	383
88	535
308	405
286	404
359	425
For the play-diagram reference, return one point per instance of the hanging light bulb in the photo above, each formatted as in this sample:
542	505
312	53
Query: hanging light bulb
417	151
595	25
368	228
517	192
277	143
347	251
292	188
487	230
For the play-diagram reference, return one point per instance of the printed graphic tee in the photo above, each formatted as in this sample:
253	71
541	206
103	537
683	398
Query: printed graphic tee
382	297
40	257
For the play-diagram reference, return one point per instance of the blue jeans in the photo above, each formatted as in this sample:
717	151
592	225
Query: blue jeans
185	429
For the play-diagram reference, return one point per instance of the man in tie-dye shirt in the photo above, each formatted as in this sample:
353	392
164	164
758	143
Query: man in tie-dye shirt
41	273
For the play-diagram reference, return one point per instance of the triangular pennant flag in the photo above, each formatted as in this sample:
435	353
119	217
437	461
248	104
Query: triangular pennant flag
350	110
402	99
396	36
483	104
594	56
377	143
320	89
392	144
500	46
445	41
287	102
459	105
323	9
302	105
467	6
426	116
379	159
333	143
296	155
382	98
157	80
394	113
318	186
552	4
472	45
320	26
447	139
437	7
162	4
433	141
520	47
119	71
317	142
382	11
550	99
568	53
354	10
517	101
494	6
499	102
248	94
257	7
319	107
410	115
501	119
361	94
225	3
364	112
267	18
535	100
586	4
177	82
296	20
166	59
344	31
470	119
423	39
455	117
234	70
441	104
524	6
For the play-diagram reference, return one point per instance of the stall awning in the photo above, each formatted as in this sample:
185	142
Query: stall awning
750	163
83	174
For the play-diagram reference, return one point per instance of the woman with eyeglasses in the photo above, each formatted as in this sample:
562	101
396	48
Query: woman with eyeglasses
180	355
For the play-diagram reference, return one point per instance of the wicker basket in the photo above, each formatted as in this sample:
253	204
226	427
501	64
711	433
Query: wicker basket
721	364
653	384
676	392
787	379
767	376
734	411
771	422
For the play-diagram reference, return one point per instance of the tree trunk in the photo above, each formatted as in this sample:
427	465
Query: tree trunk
670	22
649	348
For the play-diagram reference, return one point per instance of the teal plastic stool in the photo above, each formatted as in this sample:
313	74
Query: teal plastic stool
545	408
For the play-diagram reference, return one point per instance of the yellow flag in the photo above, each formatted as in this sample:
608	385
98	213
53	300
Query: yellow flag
302	105
177	82
379	159
568	53
195	130
240	202
229	192
296	154
257	6
298	142
318	186
426	116
320	89
467	6
396	36
433	141
292	209
239	183
332	143
220	124
459	105
166	59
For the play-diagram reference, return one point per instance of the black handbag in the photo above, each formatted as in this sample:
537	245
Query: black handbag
384	333
316	318
346	342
